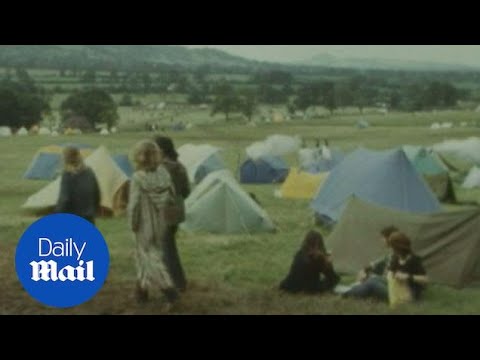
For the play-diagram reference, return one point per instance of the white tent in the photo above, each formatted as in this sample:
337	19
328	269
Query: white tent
104	132
22	132
44	131
275	145
5	131
447	125
110	178
435	126
468	149
473	179
199	159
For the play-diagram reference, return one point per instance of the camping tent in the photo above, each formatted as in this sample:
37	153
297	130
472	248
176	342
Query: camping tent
104	132
44	131
274	145
473	178
112	181
47	163
320	165
435	171
467	149
265	170
219	205
5	131
200	160
301	185
385	178
448	242
363	124
22	132
124	164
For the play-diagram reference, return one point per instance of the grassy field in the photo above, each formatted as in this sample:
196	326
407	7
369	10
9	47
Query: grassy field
227	274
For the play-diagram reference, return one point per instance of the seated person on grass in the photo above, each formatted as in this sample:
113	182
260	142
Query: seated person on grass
312	270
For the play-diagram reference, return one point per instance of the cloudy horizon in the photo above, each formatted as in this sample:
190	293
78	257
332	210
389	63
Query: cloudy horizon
448	54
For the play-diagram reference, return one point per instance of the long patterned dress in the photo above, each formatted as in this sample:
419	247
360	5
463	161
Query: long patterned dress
149	193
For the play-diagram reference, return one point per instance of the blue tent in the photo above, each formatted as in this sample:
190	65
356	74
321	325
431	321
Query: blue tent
45	166
323	165
124	164
47	163
209	165
385	178
265	170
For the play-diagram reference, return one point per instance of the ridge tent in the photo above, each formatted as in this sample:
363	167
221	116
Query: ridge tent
123	162
219	205
473	178
264	170
434	170
302	185
5	131
111	179
384	178
200	160
47	163
44	131
448	242
22	132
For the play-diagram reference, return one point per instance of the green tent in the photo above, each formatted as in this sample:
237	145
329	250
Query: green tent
219	205
434	170
448	242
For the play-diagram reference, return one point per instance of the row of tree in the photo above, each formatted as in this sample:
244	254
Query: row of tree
24	105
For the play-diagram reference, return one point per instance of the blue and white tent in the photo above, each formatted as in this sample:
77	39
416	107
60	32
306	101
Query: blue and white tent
385	178
47	163
124	164
200	160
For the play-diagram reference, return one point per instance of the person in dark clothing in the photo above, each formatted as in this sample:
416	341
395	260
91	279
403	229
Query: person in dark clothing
79	189
372	279
405	266
179	176
312	270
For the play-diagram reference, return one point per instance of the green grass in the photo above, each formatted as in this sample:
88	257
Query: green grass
227	274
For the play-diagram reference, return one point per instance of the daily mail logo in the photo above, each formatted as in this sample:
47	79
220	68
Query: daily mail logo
48	270
62	260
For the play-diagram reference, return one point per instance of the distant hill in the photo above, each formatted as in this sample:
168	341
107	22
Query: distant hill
332	61
119	56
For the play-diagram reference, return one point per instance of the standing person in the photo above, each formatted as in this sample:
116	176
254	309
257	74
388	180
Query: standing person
79	190
179	176
312	270
151	189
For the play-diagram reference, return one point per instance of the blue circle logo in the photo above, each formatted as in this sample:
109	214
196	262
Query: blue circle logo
62	260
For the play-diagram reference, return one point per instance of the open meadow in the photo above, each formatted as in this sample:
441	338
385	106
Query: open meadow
227	274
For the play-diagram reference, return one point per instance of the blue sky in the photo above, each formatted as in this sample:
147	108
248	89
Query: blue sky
453	54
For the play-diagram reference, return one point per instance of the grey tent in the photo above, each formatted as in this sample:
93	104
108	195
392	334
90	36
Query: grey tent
448	242
219	205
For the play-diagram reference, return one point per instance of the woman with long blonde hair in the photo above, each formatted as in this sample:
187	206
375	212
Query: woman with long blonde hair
79	190
151	190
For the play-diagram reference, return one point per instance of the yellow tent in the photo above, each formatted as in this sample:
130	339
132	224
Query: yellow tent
302	185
